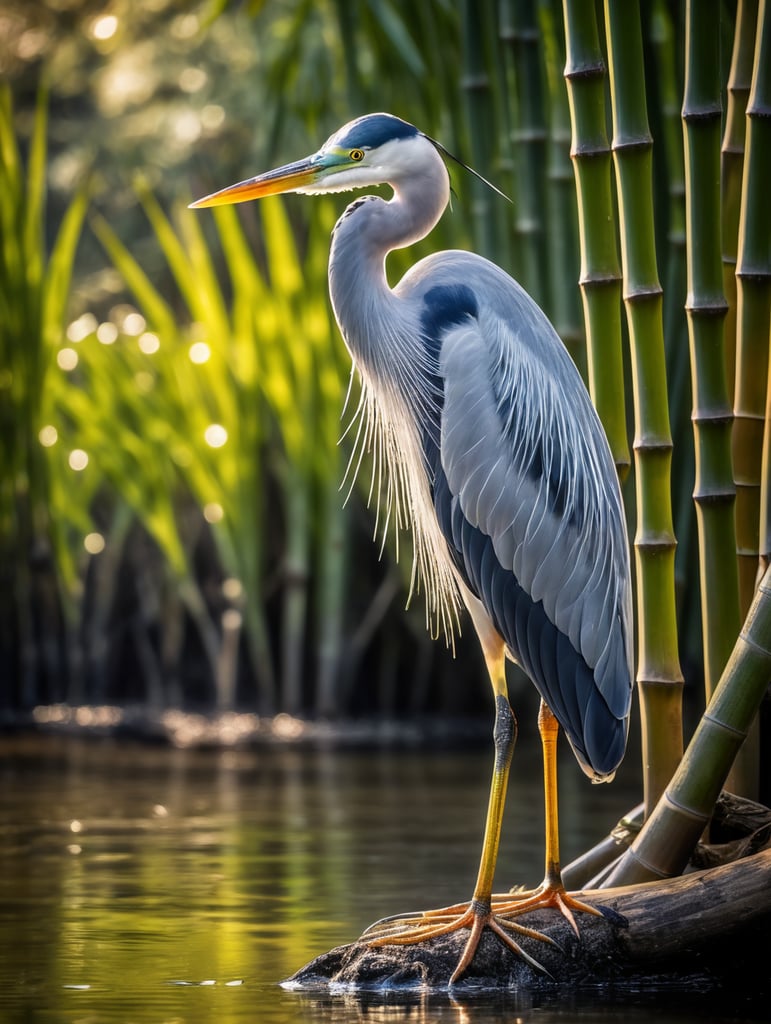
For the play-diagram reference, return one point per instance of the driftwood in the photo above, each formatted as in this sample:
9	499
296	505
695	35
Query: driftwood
707	930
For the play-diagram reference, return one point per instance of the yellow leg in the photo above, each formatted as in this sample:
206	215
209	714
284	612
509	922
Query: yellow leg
551	892
480	912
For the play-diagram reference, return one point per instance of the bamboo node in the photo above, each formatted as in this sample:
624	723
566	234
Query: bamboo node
643	292
723	726
712	499
658	544
689	812
585	71
754	645
702	114
708	308
598	279
755	275
630	143
646	444
590	150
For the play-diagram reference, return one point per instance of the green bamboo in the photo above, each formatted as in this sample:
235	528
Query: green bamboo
714	492
658	675
600	279
562	212
739	82
667	52
521	36
670	834
759	112
765	497
753	279
477	87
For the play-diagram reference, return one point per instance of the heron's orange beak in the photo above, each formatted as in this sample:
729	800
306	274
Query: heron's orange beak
289	178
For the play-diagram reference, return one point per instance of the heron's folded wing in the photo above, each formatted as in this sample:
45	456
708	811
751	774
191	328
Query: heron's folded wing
526	491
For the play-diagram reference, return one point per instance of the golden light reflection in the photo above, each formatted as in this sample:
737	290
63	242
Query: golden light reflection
48	436
149	343
78	459
67	359
134	324
107	333
232	589
104	27
199	352
215	435
213	512
94	543
192	79
81	328
187	126
212	117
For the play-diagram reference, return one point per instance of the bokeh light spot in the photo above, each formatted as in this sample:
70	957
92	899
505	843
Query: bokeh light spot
149	343
213	512
48	436
81	328
199	352
215	435
67	358
94	543
104	27
107	333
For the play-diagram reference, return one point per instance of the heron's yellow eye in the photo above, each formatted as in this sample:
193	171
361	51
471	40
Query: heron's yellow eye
356	154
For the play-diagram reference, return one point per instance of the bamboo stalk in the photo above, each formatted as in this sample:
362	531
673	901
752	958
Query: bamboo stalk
667	50
714	492
758	111
564	251
670	834
739	82
658	675
477	93
528	141
753	280
600	278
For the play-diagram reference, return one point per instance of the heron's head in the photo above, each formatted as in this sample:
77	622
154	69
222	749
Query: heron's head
369	151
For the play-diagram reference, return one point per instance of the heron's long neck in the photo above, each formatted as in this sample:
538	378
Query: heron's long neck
398	408
373	320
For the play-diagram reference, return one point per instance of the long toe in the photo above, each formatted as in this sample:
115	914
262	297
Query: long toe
513	905
432	924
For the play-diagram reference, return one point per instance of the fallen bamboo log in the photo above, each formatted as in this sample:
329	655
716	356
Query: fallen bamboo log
707	929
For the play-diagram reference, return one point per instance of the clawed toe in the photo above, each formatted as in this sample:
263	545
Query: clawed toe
402	930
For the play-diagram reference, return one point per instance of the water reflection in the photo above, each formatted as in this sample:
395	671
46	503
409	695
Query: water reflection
152	884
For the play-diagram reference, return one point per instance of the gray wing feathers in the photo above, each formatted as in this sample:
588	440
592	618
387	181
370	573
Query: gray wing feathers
526	456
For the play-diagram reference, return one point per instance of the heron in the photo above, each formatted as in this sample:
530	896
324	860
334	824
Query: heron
492	452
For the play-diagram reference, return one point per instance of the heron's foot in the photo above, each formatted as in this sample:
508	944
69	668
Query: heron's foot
476	916
547	895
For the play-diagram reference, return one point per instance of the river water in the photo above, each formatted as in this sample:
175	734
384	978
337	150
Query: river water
143	883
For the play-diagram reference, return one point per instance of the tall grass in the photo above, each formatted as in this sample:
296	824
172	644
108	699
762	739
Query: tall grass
34	291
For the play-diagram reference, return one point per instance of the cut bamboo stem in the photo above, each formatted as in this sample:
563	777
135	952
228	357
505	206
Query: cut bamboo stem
670	834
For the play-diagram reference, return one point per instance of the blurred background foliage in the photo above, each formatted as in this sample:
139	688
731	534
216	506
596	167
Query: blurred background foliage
172	525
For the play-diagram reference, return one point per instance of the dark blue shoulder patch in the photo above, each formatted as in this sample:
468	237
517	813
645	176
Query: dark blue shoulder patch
373	130
444	306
